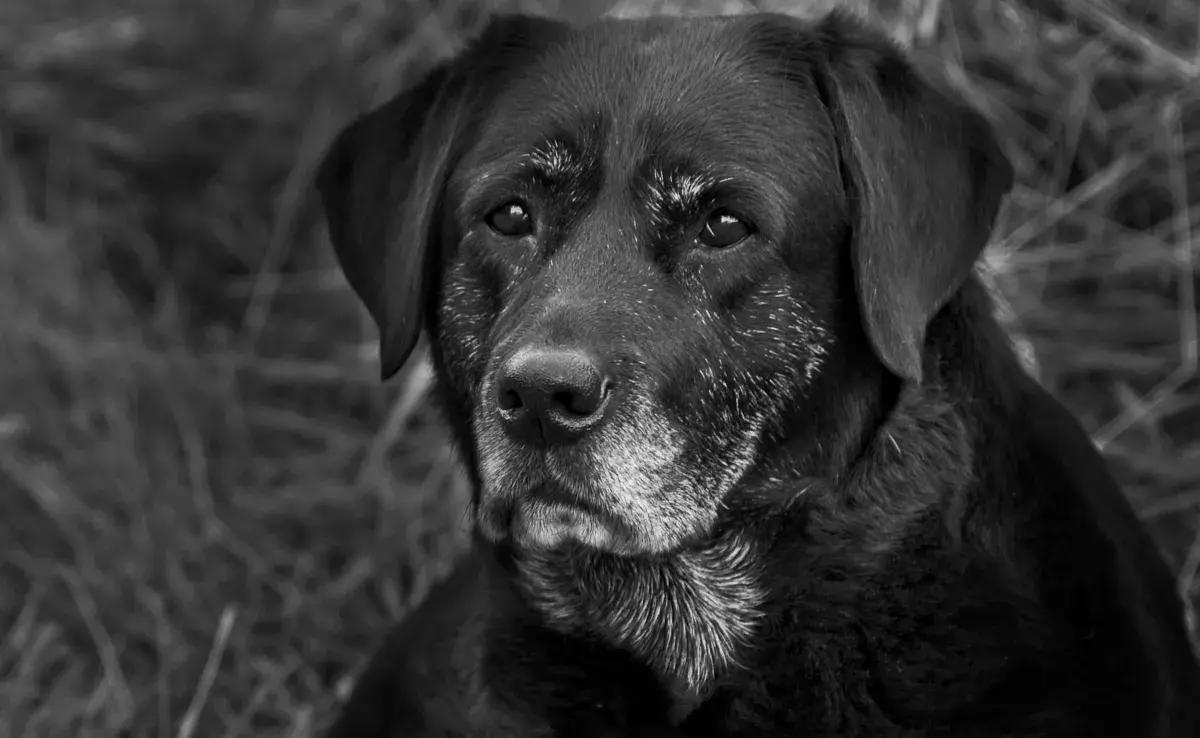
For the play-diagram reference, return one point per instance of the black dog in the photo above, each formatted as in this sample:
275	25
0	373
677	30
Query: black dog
751	455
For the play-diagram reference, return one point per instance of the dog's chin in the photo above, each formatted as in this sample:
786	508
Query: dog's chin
530	523
541	525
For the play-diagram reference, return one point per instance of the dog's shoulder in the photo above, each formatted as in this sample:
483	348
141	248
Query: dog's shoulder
1035	462
1047	510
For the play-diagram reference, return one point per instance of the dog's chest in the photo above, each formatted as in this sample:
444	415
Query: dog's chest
891	651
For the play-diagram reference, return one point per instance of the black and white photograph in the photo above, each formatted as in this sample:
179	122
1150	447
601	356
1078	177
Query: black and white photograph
599	368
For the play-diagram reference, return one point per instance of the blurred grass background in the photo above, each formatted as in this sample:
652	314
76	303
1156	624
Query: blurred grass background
210	510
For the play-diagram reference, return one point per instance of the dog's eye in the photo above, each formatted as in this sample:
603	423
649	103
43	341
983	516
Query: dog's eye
510	219
723	229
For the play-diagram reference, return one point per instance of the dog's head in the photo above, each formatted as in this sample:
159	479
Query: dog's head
635	245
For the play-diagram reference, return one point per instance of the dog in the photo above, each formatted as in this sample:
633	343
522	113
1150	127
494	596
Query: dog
751	455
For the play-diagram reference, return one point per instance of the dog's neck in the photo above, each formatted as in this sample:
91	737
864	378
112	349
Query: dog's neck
696	616
689	616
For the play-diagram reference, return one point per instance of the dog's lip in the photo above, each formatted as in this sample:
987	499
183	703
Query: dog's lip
556	494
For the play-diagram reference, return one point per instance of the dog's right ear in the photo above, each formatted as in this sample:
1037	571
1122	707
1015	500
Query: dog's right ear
379	185
382	179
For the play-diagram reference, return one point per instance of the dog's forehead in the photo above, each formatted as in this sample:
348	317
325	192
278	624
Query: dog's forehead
672	89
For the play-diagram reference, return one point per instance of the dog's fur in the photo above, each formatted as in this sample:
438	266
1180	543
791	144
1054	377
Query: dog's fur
828	501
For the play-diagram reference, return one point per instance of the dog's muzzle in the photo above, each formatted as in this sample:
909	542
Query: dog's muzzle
573	447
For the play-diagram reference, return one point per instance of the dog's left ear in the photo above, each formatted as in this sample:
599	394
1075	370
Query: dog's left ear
924	175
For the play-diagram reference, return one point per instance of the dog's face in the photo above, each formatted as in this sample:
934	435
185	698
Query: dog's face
646	232
635	246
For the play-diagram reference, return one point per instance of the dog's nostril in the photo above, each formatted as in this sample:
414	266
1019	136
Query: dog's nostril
571	402
581	403
510	400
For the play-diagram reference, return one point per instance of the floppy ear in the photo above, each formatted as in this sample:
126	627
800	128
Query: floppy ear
380	183
924	177
382	180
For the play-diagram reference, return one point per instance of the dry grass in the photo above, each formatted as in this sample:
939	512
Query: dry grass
208	508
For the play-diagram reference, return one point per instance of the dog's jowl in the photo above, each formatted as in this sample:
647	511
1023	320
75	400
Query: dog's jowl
751	455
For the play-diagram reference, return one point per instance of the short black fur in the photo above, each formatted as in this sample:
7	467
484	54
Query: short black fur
824	498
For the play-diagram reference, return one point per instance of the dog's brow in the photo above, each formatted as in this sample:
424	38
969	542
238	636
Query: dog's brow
681	187
555	159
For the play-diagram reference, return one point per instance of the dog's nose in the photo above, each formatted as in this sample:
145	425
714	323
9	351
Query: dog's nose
552	396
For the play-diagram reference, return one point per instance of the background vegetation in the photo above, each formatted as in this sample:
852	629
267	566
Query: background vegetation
209	507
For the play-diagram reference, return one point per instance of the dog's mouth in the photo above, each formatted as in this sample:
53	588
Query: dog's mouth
557	495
